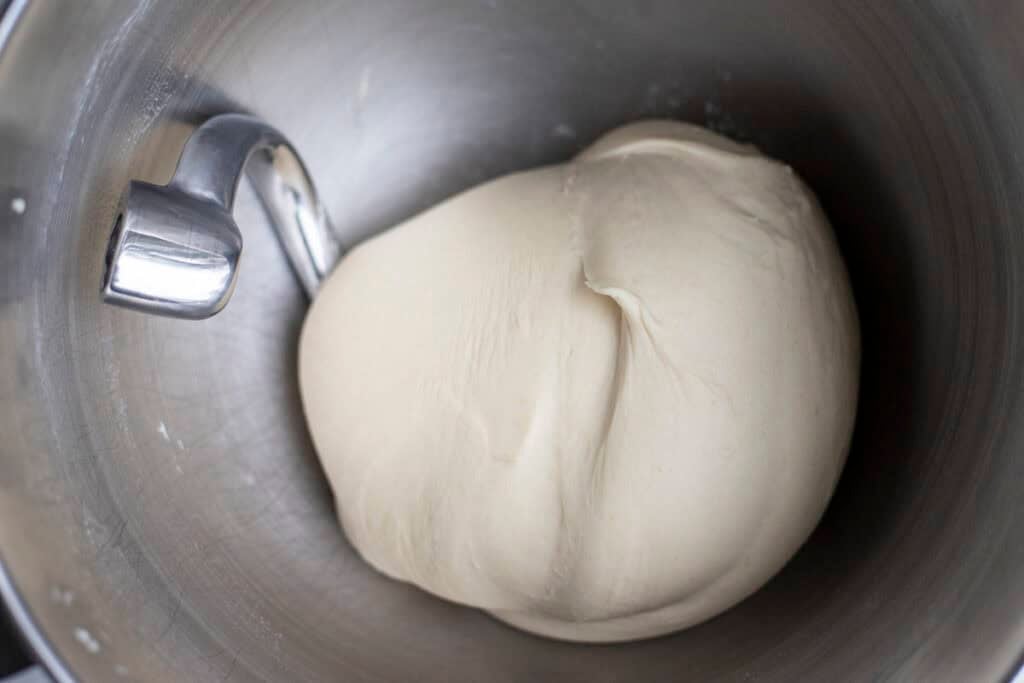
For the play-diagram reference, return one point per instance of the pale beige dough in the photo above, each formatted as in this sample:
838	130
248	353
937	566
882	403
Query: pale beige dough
603	401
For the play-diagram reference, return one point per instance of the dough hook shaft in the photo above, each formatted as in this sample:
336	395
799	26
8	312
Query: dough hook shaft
174	249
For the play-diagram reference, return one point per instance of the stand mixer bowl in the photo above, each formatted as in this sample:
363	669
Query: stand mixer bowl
162	513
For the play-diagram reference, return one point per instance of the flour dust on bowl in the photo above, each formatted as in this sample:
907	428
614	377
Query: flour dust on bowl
159	472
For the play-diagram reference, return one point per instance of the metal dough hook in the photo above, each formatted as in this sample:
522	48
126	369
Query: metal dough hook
174	249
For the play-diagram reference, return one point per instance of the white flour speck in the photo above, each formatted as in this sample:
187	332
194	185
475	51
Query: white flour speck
365	81
91	645
61	596
564	130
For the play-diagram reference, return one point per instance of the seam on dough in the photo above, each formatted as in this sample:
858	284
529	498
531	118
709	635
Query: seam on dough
573	532
570	548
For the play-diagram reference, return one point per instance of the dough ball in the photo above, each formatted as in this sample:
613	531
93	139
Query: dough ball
603	401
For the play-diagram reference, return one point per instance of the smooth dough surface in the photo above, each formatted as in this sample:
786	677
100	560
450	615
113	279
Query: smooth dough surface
603	401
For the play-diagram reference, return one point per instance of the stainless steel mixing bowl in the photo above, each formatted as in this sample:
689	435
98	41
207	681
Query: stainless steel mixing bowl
162	514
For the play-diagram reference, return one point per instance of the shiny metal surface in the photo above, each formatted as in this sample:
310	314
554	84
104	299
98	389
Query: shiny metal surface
174	250
162	514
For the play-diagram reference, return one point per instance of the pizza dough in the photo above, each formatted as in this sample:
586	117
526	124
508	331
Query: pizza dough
602	401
